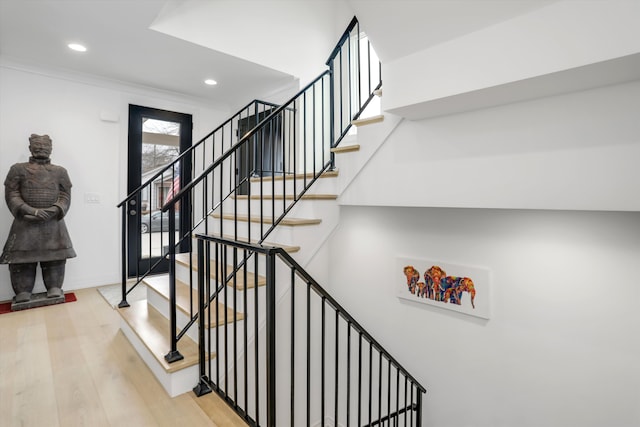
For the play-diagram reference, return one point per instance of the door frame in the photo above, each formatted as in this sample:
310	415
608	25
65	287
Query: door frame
137	264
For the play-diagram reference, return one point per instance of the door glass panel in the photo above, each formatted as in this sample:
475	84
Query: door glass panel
160	146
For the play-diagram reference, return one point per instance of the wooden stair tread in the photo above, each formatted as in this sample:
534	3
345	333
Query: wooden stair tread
288	197
346	148
368	120
153	330
269	220
239	283
327	174
161	285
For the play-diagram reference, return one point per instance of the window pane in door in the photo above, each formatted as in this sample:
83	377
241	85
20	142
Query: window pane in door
160	147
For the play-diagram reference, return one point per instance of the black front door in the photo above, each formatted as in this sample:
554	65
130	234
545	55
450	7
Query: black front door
156	138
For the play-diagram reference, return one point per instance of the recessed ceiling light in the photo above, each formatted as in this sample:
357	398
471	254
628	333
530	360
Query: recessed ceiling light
77	47
210	82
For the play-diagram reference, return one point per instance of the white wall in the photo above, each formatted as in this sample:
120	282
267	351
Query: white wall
574	151
93	151
565	35
559	349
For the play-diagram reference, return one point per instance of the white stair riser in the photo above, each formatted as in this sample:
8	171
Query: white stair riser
306	236
175	383
284	235
302	209
239	303
322	185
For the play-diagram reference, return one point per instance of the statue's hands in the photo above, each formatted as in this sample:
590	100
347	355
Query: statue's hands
48	213
29	213
32	214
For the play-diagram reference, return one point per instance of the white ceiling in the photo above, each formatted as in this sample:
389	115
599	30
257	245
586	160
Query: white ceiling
122	47
401	27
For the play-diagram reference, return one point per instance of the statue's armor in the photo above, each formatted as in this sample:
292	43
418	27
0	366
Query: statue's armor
40	185
39	190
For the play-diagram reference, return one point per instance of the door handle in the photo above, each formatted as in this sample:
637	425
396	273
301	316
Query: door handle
133	212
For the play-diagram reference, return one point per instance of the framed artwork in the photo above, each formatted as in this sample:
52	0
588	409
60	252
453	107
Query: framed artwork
460	288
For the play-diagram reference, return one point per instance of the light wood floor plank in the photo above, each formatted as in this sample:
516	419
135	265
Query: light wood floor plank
70	365
73	383
33	383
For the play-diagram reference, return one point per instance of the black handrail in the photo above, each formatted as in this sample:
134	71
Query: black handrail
169	171
251	409
345	36
190	150
303	130
247	137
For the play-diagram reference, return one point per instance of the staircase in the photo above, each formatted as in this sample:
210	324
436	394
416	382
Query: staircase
211	320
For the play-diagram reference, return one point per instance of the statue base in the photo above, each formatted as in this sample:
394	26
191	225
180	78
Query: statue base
37	300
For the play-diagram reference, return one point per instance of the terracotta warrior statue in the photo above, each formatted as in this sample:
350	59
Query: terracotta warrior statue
38	195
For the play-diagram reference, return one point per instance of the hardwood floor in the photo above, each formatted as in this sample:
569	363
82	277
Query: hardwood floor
69	365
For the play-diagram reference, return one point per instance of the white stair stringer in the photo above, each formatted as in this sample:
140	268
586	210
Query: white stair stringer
370	138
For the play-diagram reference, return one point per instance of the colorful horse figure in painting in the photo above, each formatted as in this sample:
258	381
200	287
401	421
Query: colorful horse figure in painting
413	276
456	286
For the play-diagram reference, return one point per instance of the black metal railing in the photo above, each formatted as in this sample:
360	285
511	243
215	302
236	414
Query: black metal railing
296	356
258	165
357	75
249	189
148	198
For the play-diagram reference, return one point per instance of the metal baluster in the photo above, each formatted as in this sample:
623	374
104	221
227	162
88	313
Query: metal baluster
322	373
225	304
411	402
245	324
370	378
397	397
308	354
219	274
360	379
379	384
406	380
257	348
313	141
293	342
173	355
304	139
418	408
202	387
348	372
235	326
271	339
335	415
207	303
125	213
389	390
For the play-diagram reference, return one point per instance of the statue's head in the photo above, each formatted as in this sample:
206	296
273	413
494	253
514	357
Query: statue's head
40	146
